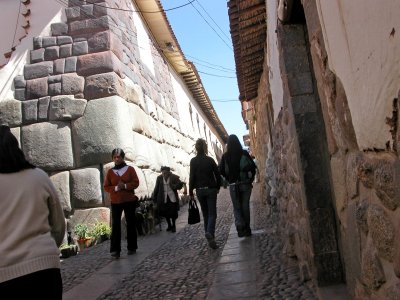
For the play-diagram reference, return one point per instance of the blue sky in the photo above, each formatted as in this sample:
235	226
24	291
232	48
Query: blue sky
209	47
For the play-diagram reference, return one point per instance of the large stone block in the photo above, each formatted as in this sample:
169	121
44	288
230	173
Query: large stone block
142	154
70	64
43	108
48	145
105	125
386	179
79	48
29	111
61	183
90	25
90	216
372	272
72	84
58	29
52	53
140	120
11	112
59	66
66	108
38	70
134	93
104	85
37	88
66	50
86	188
63	40
97	63
104	41
37	55
19	82
381	231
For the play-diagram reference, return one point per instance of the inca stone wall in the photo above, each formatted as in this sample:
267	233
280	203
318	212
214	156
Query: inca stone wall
85	91
364	181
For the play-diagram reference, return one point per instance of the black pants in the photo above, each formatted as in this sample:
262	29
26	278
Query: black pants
45	284
129	210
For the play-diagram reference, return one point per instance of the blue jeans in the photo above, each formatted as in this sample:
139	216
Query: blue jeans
208	204
240	195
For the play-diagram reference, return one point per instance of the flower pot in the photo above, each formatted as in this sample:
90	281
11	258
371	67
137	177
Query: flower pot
84	243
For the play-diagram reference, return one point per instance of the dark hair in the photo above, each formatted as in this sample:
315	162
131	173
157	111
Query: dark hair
119	152
165	168
233	153
201	147
234	148
12	159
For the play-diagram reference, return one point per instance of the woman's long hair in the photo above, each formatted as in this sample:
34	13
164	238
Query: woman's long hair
12	159
233	153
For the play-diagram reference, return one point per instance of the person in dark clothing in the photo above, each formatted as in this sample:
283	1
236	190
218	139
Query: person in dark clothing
206	180
238	168
165	194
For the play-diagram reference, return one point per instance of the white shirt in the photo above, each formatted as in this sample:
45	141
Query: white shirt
168	191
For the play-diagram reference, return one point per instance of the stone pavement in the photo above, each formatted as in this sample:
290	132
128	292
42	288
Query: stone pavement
181	265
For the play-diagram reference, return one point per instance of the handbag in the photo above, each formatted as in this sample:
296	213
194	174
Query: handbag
194	214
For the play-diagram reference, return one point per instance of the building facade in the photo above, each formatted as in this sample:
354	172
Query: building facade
320	85
80	78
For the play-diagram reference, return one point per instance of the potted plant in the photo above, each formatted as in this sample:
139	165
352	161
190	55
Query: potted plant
83	239
68	250
101	231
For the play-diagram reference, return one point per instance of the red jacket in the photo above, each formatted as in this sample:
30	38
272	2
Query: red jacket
129	178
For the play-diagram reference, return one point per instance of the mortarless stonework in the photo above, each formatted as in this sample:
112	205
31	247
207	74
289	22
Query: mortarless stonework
87	90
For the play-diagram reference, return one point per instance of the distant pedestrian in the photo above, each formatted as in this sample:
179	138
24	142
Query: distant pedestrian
32	227
206	180
165	194
121	182
239	169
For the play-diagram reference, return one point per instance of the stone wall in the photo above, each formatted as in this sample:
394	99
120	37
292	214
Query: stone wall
87	90
364	181
365	184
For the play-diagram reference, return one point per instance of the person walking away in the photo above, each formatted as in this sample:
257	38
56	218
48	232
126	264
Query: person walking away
32	227
120	183
165	194
206	180
239	169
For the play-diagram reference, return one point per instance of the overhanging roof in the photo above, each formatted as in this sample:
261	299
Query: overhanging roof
166	40
248	24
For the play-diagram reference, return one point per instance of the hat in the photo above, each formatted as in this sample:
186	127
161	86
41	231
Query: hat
165	168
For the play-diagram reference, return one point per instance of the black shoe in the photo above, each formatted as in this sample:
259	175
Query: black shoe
240	233
169	228
130	252
247	232
115	254
173	229
212	244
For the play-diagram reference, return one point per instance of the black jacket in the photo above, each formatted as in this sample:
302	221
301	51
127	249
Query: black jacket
203	173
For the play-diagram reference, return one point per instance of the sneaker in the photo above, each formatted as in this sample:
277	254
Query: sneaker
212	244
209	236
130	252
115	254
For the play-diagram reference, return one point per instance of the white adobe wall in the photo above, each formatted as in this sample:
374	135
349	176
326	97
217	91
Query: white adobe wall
362	41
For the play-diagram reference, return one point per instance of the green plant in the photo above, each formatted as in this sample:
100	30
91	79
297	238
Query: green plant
81	231
100	229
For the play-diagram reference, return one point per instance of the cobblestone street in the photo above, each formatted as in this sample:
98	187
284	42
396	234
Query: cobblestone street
182	266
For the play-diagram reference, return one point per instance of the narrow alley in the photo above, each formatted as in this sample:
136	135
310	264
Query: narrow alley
182	266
